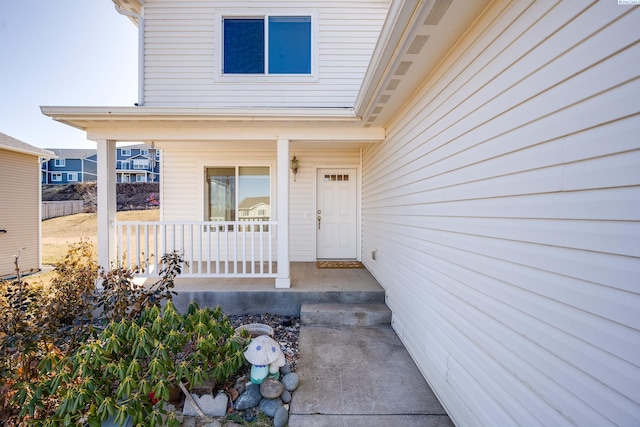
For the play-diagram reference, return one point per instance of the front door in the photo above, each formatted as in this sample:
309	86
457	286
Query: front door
336	219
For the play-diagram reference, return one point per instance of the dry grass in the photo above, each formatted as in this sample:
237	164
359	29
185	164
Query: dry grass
59	233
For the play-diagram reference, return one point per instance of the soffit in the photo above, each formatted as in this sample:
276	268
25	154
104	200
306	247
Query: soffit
416	37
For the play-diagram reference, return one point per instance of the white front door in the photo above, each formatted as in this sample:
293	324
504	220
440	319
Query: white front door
336	214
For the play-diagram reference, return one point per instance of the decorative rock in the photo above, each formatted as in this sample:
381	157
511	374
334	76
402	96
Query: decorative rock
206	387
290	381
188	422
286	369
212	424
286	396
281	417
250	398
215	407
270	388
270	406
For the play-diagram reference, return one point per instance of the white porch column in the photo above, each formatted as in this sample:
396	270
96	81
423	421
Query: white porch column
106	202
283	280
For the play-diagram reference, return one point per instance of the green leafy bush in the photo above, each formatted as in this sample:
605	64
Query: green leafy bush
45	327
133	362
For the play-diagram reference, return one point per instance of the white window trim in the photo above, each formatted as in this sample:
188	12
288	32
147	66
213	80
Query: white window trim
57	175
59	163
219	76
72	176
125	152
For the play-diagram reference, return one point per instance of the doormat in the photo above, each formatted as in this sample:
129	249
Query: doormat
340	264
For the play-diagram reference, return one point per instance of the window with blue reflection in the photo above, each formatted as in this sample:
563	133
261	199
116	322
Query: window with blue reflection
244	46
288	44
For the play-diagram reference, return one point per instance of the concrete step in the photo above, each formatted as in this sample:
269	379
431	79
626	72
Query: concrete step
337	314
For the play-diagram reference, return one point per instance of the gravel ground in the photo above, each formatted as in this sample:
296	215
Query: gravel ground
286	331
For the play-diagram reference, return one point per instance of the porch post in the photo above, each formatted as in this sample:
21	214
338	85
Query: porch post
106	201
283	280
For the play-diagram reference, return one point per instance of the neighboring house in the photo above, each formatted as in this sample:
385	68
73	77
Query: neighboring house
135	163
20	205
481	158
70	166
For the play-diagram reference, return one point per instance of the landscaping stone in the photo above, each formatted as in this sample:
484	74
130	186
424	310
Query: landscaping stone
291	381
286	369
205	387
271	388
286	396
213	424
281	417
215	407
250	398
270	406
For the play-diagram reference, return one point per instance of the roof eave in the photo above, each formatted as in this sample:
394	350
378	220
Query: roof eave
73	116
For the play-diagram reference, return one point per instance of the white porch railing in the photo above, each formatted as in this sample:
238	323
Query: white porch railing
209	249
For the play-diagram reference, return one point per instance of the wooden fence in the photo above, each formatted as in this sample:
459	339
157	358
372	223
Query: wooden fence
55	209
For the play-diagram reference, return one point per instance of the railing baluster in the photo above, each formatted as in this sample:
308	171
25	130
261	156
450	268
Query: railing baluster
209	249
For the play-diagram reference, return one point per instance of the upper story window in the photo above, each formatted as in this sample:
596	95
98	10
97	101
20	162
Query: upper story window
59	162
267	45
125	152
140	164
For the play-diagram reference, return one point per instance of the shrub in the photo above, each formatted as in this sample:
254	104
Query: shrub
136	360
121	297
43	327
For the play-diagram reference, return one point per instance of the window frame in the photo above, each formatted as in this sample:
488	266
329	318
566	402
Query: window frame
57	175
220	76
60	163
206	202
72	177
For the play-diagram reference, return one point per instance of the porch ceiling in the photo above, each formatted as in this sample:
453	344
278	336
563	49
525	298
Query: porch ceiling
180	124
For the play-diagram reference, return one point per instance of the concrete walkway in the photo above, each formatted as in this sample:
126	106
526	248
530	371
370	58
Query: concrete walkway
360	376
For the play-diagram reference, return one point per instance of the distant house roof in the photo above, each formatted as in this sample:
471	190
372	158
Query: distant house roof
141	146
73	153
12	144
250	202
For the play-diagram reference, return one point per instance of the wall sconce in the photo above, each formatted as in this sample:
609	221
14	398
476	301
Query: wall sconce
294	166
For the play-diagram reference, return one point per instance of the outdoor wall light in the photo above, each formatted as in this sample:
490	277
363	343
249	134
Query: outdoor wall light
294	166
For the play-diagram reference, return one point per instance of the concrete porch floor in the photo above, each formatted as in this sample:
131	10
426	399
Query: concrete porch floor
309	284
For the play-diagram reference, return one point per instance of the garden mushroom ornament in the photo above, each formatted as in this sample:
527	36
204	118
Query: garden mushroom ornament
262	352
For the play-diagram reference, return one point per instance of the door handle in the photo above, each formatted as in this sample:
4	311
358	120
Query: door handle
319	218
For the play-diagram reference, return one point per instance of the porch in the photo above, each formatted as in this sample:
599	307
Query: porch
309	284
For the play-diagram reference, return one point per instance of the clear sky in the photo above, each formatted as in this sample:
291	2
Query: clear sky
63	53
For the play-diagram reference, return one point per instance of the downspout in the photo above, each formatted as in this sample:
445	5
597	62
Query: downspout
140	19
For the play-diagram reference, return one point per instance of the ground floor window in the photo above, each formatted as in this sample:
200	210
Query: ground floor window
238	193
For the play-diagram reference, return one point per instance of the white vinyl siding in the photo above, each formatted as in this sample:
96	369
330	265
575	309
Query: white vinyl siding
20	212
504	211
182	54
183	189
